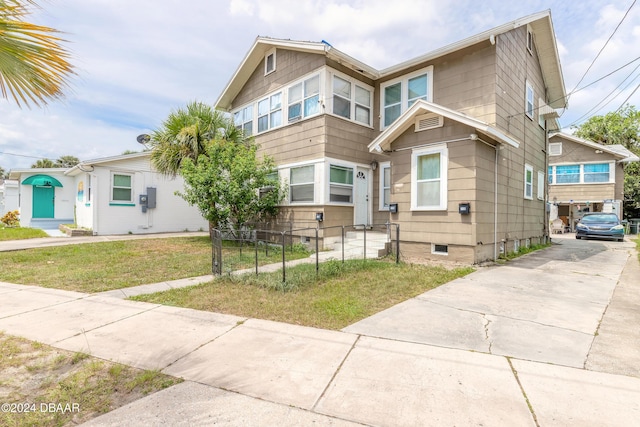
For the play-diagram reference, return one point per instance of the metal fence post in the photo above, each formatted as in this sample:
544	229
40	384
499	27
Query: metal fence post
397	243
256	238
317	253
342	244
364	229
284	270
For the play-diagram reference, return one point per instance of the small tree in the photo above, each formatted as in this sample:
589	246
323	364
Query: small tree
44	164
225	184
67	161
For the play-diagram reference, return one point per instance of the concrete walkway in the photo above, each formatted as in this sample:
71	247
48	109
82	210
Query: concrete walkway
549	339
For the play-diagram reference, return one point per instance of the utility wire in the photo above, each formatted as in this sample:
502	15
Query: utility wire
628	97
603	47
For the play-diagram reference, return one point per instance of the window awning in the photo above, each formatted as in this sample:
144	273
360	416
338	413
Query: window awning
42	180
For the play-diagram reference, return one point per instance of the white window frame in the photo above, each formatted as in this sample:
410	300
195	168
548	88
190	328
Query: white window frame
404	91
528	184
353	100
271	110
312	182
434	250
382	167
444	165
303	98
529	100
241	118
340	185
113	187
541	119
541	181
581	181
271	53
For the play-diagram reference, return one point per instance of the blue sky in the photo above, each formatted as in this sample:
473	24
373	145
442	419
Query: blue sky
136	61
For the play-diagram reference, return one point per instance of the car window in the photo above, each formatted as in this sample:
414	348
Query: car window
608	218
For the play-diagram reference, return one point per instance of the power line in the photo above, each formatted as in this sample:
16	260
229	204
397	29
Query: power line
602	49
22	155
628	97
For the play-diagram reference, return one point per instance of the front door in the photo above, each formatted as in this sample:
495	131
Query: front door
361	203
43	201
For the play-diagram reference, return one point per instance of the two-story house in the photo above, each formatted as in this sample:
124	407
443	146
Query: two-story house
450	145
585	176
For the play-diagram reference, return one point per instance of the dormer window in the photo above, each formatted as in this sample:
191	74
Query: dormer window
270	62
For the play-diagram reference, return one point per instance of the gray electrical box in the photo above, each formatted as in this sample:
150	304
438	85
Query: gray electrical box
151	197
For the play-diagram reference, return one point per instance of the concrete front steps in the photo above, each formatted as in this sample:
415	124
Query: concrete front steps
49	223
354	245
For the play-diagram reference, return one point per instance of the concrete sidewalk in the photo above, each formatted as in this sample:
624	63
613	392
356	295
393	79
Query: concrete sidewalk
506	345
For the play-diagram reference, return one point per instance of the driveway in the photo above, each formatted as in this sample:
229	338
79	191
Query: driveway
545	306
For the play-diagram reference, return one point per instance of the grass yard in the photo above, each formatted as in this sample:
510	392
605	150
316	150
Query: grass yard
19	233
38	375
102	266
341	295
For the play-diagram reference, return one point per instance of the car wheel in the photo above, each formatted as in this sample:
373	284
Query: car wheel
578	237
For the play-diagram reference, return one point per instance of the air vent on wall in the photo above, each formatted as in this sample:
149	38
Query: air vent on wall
429	121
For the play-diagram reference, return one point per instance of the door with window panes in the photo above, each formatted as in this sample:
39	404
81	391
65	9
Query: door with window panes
361	196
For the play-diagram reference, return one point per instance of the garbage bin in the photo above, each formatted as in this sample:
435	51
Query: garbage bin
633	225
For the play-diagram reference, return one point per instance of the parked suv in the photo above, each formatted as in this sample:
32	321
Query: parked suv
600	225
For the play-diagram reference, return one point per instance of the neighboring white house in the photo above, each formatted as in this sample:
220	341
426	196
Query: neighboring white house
8	196
114	195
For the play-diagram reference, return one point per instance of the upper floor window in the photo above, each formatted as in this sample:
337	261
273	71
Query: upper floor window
528	182
529	40
529	107
429	178
121	188
590	173
243	119
399	94
270	62
270	112
351	100
304	99
540	185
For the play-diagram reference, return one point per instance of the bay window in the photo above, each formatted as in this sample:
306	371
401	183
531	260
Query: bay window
340	184
301	184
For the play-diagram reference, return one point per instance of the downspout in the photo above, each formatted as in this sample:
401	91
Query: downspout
495	208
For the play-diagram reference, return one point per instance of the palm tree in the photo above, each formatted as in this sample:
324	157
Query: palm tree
33	64
44	164
185	133
67	161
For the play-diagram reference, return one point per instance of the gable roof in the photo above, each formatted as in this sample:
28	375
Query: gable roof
83	165
407	119
623	154
540	24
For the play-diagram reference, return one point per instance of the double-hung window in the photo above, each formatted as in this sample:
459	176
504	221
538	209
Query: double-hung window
400	94
429	178
121	188
304	99
270	112
528	182
385	185
567	174
340	184
243	119
529	107
351	100
301	184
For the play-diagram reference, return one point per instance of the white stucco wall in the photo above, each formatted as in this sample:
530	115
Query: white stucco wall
105	216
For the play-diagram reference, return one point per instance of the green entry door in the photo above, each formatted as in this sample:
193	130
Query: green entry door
43	201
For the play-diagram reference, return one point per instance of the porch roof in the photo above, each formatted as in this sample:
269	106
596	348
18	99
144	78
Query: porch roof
407	119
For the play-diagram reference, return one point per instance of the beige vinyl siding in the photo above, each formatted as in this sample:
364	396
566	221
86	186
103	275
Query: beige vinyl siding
583	192
300	141
347	140
291	65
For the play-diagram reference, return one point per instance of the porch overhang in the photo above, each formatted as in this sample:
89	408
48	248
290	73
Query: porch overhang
42	180
383	142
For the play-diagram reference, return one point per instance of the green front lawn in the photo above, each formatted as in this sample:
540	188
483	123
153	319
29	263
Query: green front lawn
339	296
97	267
19	233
